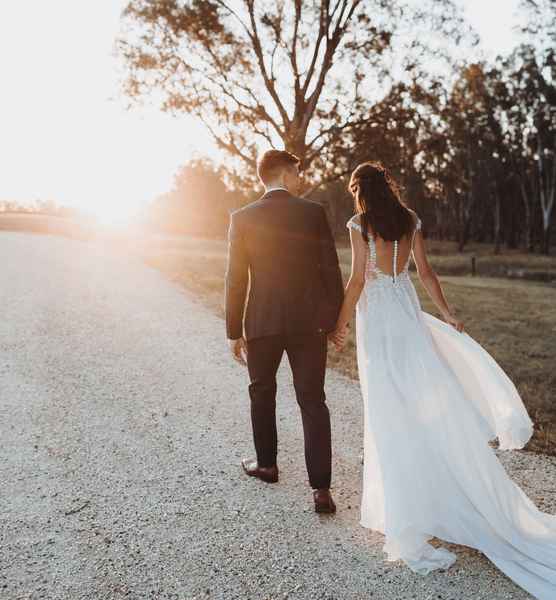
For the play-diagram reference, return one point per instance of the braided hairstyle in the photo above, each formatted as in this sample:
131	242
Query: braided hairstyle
377	200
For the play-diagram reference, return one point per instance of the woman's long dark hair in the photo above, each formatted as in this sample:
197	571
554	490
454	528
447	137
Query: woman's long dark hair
377	199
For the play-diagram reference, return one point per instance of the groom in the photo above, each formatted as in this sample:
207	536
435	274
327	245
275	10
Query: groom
283	247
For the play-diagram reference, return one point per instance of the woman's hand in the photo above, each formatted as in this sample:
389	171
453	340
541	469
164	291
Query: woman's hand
339	337
454	322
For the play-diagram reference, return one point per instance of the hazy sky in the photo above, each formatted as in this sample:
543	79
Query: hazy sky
64	132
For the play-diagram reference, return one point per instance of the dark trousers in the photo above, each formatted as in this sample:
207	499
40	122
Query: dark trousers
307	356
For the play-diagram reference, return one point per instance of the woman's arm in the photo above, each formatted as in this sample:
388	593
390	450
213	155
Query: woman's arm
354	285
431	282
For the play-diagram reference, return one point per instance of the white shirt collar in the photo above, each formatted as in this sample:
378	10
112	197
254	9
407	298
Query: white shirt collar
275	189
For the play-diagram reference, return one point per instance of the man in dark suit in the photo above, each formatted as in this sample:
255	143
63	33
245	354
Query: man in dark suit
282	249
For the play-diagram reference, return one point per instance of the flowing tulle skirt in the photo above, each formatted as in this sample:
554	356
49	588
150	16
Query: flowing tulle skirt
433	398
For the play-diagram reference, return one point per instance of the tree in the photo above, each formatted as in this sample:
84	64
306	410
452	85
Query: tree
536	86
531	119
292	74
476	153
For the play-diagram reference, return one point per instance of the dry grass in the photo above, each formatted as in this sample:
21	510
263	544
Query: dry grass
514	320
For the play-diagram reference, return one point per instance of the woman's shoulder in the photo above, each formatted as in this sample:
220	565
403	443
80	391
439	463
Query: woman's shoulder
354	223
416	219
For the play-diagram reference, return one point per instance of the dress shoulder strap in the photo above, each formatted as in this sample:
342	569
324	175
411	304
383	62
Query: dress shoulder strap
353	224
416	229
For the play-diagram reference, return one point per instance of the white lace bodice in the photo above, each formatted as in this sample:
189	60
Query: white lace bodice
372	271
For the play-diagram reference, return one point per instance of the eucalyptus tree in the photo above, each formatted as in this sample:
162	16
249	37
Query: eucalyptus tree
292	74
534	87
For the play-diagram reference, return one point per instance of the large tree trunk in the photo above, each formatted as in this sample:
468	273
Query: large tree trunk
439	220
497	220
546	189
467	205
527	237
546	239
546	207
465	217
464	234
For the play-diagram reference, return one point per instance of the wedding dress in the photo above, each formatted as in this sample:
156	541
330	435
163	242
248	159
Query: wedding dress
433	398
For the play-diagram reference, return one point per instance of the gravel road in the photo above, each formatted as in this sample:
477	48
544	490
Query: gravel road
122	426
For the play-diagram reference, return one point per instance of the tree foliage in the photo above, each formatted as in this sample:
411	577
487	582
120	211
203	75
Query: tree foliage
297	75
473	142
198	203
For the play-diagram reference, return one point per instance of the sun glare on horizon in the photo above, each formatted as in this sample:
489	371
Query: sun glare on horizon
108	216
66	134
79	146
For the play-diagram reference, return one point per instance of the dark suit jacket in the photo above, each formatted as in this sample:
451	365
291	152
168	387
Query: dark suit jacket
283	247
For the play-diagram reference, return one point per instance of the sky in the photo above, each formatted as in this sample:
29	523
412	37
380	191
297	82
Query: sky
65	132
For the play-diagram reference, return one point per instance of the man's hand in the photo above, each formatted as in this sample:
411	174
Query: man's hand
238	349
339	337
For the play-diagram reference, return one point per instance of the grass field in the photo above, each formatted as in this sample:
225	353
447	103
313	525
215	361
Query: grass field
514	320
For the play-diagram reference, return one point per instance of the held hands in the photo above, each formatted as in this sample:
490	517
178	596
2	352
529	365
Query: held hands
339	337
238	348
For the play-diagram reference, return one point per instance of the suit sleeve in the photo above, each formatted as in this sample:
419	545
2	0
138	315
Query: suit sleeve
237	276
329	264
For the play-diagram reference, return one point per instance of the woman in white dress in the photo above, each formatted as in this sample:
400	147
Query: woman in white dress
433	398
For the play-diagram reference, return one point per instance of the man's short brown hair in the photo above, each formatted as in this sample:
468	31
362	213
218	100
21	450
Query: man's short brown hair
272	161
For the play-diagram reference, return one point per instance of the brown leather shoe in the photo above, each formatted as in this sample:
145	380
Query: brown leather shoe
323	501
267	474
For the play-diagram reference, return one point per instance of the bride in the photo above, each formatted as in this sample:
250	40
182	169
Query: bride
433	398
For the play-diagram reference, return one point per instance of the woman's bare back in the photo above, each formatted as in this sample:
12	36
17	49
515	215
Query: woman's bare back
385	251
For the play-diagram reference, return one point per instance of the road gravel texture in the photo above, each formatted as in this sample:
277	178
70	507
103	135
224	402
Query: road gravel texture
123	422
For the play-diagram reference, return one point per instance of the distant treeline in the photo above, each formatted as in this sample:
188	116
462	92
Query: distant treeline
42	207
199	203
478	161
472	142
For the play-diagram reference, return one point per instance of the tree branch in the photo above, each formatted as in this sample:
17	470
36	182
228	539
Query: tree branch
293	54
331	47
257	47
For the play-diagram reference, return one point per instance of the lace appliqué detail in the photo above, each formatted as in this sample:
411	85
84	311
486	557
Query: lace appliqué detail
352	224
372	272
370	267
